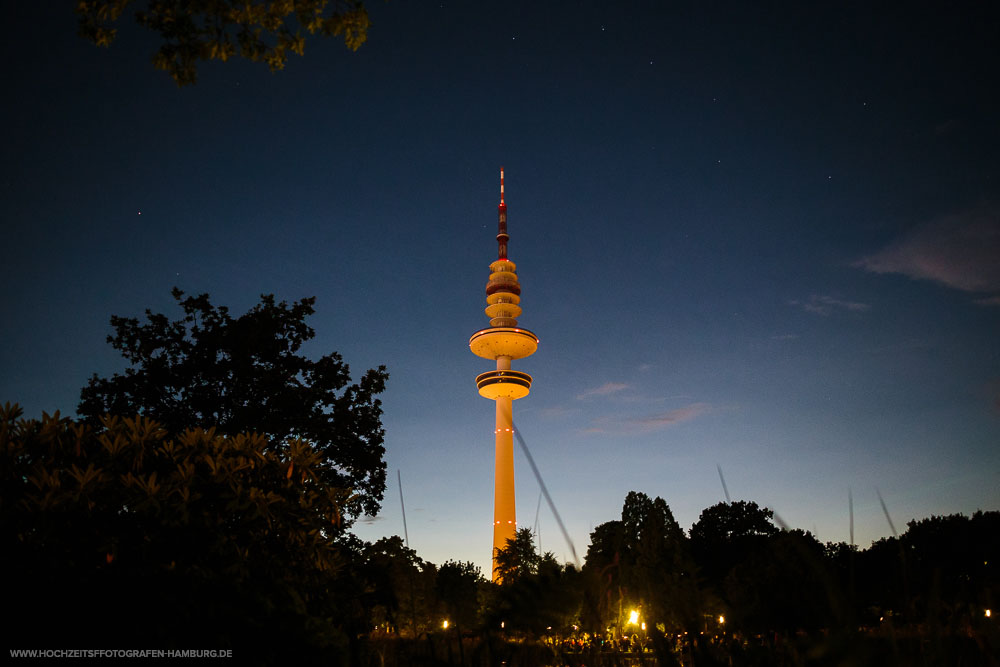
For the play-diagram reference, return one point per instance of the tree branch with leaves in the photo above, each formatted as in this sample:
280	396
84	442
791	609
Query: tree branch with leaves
200	30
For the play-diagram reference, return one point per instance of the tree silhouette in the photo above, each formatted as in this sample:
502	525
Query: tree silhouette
641	562
782	584
535	592
400	585
602	577
518	558
245	375
657	571
457	587
728	533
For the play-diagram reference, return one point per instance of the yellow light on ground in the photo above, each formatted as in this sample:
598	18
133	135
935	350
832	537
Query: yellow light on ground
633	617
644	626
722	619
445	625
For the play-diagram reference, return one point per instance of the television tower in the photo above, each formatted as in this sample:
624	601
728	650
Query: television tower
502	342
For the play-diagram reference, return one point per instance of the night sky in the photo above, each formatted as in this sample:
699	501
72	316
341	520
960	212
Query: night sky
762	238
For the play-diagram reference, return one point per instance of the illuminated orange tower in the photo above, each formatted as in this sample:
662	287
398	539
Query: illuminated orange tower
503	341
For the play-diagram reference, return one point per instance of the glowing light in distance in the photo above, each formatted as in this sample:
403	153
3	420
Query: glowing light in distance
445	625
722	619
633	617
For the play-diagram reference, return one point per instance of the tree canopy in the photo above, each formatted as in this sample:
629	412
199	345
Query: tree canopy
193	30
401	586
727	532
244	375
724	523
125	531
535	593
518	558
641	560
457	587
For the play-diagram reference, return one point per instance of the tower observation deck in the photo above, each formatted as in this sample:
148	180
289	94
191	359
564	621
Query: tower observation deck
503	341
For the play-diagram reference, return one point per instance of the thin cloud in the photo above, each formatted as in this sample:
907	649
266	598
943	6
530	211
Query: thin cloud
605	389
662	420
960	251
558	411
825	305
647	423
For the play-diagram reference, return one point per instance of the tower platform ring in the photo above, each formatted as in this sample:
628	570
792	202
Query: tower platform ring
503	383
512	342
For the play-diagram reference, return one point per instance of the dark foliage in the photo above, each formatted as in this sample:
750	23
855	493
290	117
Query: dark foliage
536	596
518	558
726	533
245	375
125	535
641	564
194	30
400	586
457	587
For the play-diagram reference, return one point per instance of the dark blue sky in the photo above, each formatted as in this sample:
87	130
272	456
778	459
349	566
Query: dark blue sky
765	238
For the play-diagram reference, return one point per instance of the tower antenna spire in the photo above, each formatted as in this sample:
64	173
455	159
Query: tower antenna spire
502	223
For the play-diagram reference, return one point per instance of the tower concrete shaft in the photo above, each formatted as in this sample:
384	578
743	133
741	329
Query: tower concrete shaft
504	509
502	342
